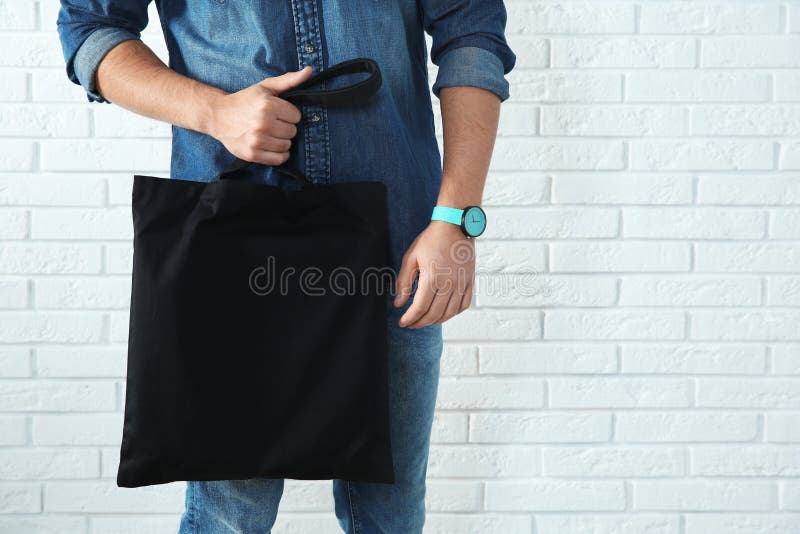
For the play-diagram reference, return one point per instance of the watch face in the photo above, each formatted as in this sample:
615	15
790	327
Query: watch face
474	221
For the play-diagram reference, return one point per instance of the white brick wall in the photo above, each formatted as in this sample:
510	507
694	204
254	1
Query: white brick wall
632	363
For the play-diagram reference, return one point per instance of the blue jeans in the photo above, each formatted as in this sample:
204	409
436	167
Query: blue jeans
250	506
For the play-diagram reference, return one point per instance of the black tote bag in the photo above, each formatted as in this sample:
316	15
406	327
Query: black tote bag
258	336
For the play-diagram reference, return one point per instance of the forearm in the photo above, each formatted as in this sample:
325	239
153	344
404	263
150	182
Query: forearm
469	118
134	78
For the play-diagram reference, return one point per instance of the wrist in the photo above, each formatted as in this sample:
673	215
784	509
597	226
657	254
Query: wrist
209	104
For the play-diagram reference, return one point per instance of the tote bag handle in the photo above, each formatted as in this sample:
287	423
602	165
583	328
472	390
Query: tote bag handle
305	93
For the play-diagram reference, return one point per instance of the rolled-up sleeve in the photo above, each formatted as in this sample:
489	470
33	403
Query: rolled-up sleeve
469	44
89	29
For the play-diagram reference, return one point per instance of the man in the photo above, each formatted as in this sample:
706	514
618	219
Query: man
227	61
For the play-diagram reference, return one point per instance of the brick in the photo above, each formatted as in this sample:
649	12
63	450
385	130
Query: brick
784	223
470	393
747	257
459	360
753	460
622	188
56	396
105	498
697	86
22	327
77	429
614	121
608	524
555	495
782	427
519	427
105	155
714	18
537	18
599	462
119	258
536	223
86	223
42	524
117	122
704	495
453	496
613	324
748	52
743	189
693	223
52	85
30	49
786	359
694	426
719	155
565	86
546	358
510	257
15	84
681	291
43	464
48	258
15	362
619	256
536	51
534	289
783	290
772	120
743	325
690	358
17	154
13	430
13	223
626	52
20	497
478	324
514	154
473	524
77	362
516	188
51	190
13	293
89	292
610	392
482	461
449	427
748	393
35	120
734	523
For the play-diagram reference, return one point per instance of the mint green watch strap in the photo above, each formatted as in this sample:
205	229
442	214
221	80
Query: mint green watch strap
451	215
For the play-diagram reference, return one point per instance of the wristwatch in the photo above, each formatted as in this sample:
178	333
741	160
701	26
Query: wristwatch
471	220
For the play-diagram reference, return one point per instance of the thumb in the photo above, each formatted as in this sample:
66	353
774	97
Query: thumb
278	84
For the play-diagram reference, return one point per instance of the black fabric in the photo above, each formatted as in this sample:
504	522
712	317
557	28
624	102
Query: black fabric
227	379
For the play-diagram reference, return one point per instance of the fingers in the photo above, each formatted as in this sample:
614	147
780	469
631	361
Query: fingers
282	110
422	300
265	157
405	280
436	311
283	130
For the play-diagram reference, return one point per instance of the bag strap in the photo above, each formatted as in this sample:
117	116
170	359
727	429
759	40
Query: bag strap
306	93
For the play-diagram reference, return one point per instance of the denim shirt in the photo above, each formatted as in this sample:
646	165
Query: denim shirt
232	44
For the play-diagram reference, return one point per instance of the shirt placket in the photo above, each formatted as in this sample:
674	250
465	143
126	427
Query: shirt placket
308	32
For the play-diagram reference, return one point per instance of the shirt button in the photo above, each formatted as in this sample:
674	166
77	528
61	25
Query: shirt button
314	117
309	48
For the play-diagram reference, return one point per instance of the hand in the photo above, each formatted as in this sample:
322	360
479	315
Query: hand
444	259
256	125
